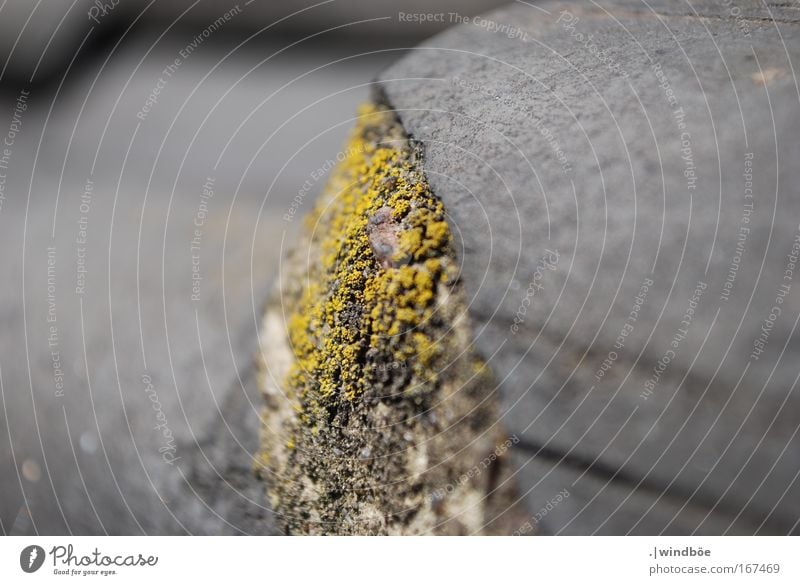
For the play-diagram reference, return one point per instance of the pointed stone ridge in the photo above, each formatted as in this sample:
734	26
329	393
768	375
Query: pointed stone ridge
380	418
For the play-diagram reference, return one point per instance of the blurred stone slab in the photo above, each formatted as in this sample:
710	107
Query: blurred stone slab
146	348
609	505
131	441
37	39
628	138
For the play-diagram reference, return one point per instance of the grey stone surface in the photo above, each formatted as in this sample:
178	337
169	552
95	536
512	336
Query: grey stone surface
88	462
37	39
593	503
552	129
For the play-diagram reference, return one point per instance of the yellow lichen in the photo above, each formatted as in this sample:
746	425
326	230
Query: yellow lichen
356	309
387	402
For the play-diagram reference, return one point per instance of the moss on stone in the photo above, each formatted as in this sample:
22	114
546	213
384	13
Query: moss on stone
374	398
354	303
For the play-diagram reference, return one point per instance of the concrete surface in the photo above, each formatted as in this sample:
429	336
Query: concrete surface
618	134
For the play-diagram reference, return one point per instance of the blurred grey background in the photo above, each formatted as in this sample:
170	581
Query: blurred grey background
151	151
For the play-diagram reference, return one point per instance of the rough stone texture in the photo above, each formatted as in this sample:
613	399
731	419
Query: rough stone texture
379	418
632	191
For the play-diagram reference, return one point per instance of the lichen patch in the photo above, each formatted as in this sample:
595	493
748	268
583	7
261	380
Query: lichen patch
380	404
